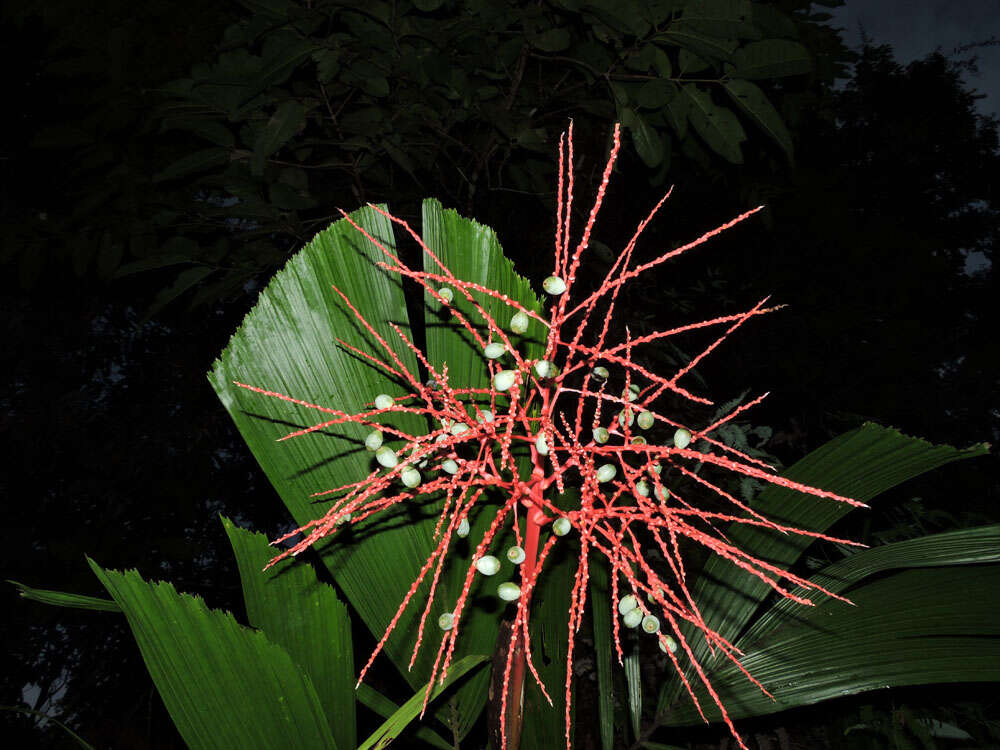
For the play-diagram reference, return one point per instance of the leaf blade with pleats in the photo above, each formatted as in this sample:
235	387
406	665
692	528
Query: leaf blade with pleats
860	464
224	685
305	617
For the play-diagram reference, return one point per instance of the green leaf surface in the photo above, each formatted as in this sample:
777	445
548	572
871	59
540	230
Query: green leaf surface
396	723
703	45
185	280
224	685
962	547
80	742
62	599
860	464
916	627
718	127
771	58
384	707
199	161
720	18
282	125
303	616
647	141
471	252
754	103
551	40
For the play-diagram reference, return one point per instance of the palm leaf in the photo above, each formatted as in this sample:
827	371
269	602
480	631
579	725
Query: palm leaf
860	464
919	626
224	685
288	343
304	617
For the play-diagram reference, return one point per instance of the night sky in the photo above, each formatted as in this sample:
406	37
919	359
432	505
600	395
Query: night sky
916	27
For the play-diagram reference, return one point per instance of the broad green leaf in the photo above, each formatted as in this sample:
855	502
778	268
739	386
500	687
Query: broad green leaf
62	599
224	685
288	343
755	104
551	40
153	263
771	58
276	133
601	612
703	45
916	627
647	141
283	52
860	464
384	707
676	114
720	18
689	62
962	547
199	161
718	127
409	710
184	281
304	617
656	93
472	253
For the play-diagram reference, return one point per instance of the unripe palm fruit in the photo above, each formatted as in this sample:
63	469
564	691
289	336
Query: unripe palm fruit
645	419
601	435
519	322
516	555
494	350
387	457
504	379
561	526
509	591
633	618
410	477
650	624
627	603
373	440
446	621
606	473
446	294
600	373
383	401
682	438
554	285
487	565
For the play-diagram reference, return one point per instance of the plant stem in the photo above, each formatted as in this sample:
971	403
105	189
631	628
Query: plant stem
515	699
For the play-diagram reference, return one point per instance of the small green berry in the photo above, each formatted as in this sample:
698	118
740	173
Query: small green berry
667	643
626	414
410	477
642	487
631	393
458	428
485	415
450	466
554	285
343	519
373	440
387	457
633	618
509	591
652	598
561	526
650	624
600	373
645	419
516	555
601	435
383	401
662	494
487	565
504	379
540	445
446	621
446	294
657	468
682	438
606	473
519	323
544	368
463	528
638	440
627	603
494	350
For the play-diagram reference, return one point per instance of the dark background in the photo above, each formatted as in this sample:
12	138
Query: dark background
880	238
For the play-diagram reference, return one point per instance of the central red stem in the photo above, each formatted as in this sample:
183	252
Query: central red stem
515	699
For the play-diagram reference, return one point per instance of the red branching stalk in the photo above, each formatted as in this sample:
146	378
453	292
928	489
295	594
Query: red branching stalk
620	477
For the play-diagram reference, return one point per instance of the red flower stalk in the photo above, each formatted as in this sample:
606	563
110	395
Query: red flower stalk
577	434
